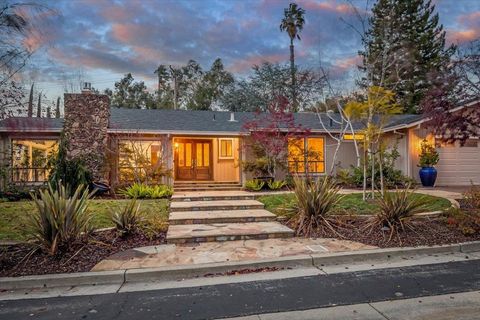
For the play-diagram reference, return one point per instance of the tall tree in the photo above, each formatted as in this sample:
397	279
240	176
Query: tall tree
57	108
30	103
211	87
131	94
267	83
292	22
404	43
39	106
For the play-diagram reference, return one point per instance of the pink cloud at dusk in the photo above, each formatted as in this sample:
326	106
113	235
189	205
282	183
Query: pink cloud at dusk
469	31
243	65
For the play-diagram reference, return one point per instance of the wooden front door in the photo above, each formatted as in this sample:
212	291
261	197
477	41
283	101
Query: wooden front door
193	159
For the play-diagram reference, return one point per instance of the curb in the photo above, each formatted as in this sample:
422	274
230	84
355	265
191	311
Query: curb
168	273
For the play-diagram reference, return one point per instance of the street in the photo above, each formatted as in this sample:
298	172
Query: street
258	297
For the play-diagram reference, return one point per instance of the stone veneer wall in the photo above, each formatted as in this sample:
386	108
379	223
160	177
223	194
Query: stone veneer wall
85	128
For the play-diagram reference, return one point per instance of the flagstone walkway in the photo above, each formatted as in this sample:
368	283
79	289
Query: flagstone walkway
211	252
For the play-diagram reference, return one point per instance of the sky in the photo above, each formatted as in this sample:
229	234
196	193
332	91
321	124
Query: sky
100	40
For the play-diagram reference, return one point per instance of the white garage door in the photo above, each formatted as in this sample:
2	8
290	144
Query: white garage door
459	166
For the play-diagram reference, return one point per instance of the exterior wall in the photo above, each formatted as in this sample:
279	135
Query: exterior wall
415	137
85	127
399	139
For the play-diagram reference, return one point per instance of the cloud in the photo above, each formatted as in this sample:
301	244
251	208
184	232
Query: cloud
469	29
115	37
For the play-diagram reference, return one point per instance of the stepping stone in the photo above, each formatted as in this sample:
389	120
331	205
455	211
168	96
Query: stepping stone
212	196
226	232
220	216
215	205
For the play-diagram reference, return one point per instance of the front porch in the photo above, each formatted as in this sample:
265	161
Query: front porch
206	160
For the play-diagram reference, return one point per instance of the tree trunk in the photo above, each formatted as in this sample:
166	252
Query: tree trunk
292	73
382	184
372	157
365	163
30	103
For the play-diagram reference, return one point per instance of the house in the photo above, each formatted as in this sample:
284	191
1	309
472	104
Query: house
202	145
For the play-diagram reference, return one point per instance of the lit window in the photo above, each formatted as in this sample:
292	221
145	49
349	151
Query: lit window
138	159
30	158
225	148
306	155
358	136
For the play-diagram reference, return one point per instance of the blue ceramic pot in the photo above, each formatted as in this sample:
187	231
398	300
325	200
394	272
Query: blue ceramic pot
428	175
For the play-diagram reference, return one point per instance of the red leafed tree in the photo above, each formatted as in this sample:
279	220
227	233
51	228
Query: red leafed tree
270	133
441	106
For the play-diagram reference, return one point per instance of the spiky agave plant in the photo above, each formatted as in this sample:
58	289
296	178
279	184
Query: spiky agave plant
396	209
314	201
60	218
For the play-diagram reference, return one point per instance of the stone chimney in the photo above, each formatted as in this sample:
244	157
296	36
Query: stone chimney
85	127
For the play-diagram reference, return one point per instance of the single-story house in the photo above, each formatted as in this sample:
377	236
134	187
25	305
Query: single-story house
203	145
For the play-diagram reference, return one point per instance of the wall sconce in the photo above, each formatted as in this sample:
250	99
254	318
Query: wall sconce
176	145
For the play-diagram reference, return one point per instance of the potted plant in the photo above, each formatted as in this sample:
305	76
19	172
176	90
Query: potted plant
428	159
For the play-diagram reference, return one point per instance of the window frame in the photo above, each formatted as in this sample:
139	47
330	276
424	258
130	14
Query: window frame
31	171
232	156
305	157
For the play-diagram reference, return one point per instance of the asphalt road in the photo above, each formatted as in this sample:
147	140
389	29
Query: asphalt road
239	299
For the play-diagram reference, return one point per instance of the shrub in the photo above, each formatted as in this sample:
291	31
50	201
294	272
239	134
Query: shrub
395	210
70	173
467	221
428	155
128	219
143	191
275	185
314	200
160	191
254	185
471	198
60	218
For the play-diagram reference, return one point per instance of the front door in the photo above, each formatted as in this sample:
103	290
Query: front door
193	159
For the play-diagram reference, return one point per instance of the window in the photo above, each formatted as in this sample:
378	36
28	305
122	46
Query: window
225	148
30	158
306	155
140	160
358	136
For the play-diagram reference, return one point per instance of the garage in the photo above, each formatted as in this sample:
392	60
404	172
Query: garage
459	165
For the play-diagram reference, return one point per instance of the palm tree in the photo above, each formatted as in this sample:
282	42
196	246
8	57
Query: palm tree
292	22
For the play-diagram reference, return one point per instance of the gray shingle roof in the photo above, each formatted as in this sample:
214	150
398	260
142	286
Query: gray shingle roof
186	121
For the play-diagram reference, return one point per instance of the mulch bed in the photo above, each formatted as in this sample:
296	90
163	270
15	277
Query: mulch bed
80	258
426	232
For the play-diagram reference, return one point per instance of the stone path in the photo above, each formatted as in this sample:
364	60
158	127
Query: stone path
212	252
221	216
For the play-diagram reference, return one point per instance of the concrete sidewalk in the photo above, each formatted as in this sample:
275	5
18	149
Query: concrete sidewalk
456	306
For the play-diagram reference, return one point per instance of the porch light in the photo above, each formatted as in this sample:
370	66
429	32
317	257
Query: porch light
176	145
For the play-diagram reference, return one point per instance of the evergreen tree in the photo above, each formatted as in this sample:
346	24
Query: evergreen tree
403	45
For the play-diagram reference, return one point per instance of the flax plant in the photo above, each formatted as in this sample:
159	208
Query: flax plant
60	219
314	200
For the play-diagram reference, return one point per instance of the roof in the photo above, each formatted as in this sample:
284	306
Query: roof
188	121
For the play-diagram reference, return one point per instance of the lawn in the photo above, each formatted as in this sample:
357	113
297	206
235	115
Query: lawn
350	204
13	215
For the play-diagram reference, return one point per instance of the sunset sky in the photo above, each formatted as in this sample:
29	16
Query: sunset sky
105	39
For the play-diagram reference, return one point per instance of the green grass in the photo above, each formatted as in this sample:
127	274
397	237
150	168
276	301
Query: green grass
13	215
350	204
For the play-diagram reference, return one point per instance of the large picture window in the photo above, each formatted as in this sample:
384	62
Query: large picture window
306	155
30	159
141	161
